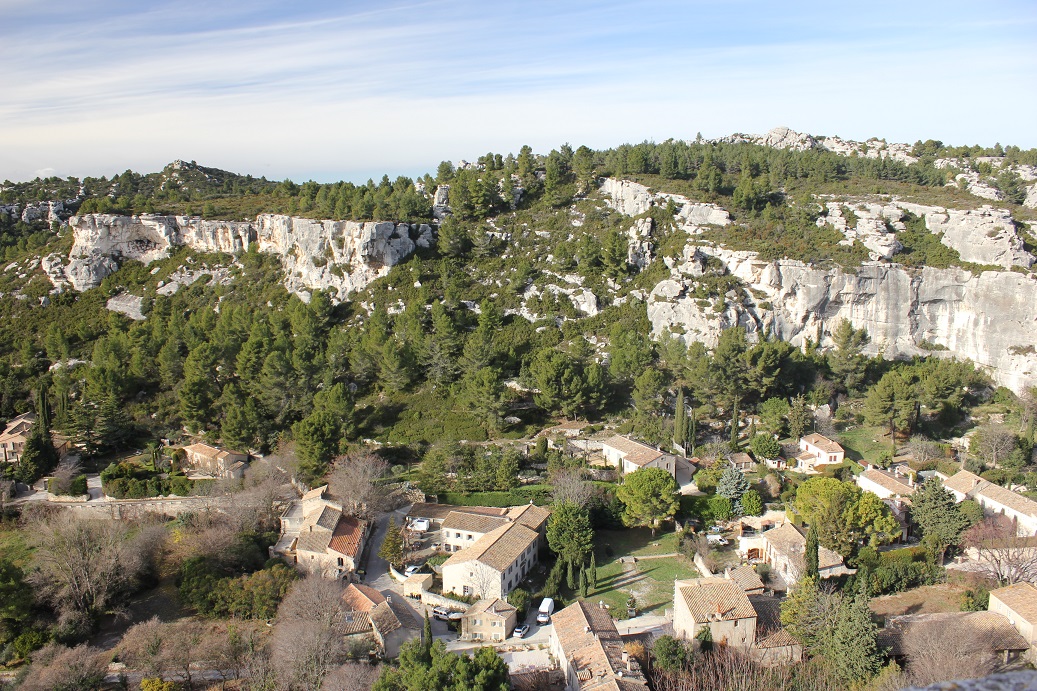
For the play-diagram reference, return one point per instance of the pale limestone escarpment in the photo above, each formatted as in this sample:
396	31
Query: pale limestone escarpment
634	199
870	229
54	267
989	318
983	236
338	256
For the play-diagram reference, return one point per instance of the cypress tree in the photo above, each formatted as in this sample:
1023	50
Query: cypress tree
583	583
592	573
679	420
812	566
854	650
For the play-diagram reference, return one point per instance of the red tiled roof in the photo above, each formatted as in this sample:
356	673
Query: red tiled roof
348	536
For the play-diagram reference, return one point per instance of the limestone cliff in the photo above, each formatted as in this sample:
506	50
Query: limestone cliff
337	256
989	318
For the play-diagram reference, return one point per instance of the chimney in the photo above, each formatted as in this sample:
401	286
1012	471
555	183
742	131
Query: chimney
587	629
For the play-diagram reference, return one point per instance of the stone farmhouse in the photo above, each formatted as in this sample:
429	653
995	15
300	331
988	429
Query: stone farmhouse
784	548
319	539
885	484
375	615
817	450
1018	603
494	564
215	462
991	629
718	604
462	529
590	653
489	619
995	500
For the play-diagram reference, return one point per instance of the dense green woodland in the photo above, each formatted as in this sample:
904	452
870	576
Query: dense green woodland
250	366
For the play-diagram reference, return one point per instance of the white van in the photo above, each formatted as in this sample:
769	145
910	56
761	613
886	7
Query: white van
547	608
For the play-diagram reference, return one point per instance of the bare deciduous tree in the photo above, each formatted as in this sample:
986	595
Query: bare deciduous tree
993	442
313	599
303	653
352	676
169	649
354	481
83	564
57	667
938	652
569	486
999	552
727	669
63	475
923	450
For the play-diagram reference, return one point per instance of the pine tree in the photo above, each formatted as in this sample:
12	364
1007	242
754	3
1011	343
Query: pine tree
38	455
392	546
732	485
812	548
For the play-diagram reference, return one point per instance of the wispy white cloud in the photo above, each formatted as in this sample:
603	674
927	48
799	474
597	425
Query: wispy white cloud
326	92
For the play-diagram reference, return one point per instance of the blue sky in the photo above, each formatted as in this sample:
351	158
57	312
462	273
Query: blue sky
349	90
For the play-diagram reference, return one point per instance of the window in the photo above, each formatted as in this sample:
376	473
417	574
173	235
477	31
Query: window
469	536
496	636
477	622
495	623
457	535
466	590
340	562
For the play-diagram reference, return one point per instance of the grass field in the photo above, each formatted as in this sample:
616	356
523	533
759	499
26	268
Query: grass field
649	580
13	545
865	443
927	599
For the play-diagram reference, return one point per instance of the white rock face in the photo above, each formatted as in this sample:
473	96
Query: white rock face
53	266
127	304
1031	197
338	256
870	228
441	202
984	236
990	318
639	243
634	199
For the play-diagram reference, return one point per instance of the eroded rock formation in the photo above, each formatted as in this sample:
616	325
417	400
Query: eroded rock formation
337	256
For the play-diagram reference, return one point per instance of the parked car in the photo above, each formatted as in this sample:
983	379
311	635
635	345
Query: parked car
521	630
441	613
716	540
412	569
715	529
547	608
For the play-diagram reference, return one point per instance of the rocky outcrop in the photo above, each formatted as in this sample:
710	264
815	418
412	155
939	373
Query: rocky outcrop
125	303
989	318
871	228
49	211
785	138
982	236
640	249
337	256
634	199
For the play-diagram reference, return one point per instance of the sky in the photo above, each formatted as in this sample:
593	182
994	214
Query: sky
351	90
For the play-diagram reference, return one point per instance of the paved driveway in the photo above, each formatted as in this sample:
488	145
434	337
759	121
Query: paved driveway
378	576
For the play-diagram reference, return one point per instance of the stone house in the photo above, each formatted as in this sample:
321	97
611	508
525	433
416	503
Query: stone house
784	548
1018	603
436	514
370	613
461	529
990	629
817	450
319	539
718	604
489	619
589	650
628	456
215	462
742	461
16	433
995	500
495	564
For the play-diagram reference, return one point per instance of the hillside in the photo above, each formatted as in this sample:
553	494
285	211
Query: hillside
493	296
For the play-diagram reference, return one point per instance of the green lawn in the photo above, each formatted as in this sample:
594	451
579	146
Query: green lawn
13	545
865	443
650	580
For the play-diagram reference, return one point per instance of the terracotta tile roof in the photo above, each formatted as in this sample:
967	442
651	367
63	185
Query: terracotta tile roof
823	443
768	614
491	605
315	493
388	616
474	523
779	639
987	627
356	623
740	459
1008	498
529	515
633	451
590	642
317	529
788	540
348	536
963	482
1021	598
498	549
746	578
358	597
888	481
710	598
